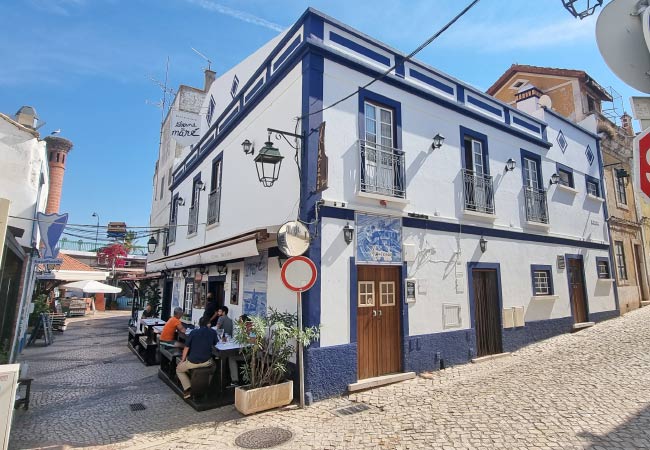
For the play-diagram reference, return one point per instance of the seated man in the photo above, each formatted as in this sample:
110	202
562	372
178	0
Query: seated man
224	322
148	312
173	324
197	353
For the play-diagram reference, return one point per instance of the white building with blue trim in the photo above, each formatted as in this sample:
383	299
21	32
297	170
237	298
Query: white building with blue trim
457	252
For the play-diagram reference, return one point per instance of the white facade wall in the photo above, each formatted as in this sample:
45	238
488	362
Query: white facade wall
24	162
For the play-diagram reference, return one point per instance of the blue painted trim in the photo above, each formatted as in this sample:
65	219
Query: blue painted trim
525	154
354	294
569	256
567	169
470	281
528	126
337	213
546	268
312	100
572	124
484	106
596	181
460	94
399	67
431	81
404	306
534	331
358	48
278	62
314	25
253	90
600	259
466	132
228	119
604	315
425	224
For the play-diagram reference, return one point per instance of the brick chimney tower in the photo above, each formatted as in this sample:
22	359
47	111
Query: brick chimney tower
626	124
57	151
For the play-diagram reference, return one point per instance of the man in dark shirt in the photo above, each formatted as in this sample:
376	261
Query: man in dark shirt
197	353
211	309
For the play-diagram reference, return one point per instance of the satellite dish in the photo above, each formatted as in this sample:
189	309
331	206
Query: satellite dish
545	101
620	31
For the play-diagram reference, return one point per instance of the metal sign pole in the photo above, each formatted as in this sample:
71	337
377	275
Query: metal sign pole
301	366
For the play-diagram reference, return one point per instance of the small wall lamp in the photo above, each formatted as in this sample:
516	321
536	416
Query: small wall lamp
202	270
483	244
555	179
200	185
180	201
184	273
222	269
438	140
249	148
348	233
510	165
152	243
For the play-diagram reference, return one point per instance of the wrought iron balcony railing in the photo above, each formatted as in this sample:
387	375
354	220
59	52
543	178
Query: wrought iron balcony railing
381	169
536	205
478	192
214	206
193	221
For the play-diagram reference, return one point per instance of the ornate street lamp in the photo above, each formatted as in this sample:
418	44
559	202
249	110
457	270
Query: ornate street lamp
268	162
581	8
152	243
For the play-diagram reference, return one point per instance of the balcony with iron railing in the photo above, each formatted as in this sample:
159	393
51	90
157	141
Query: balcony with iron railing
214	206
536	205
478	192
193	221
382	170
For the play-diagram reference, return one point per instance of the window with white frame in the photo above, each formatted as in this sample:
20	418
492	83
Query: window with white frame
387	293
189	297
621	267
566	177
542	280
366	293
592	188
602	266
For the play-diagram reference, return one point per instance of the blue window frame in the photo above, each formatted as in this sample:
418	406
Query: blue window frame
531	170
566	175
602	267
542	279
593	186
474	151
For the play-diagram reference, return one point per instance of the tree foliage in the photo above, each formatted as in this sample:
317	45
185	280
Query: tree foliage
114	253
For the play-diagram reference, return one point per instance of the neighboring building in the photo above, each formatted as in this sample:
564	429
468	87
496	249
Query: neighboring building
24	181
575	95
453	256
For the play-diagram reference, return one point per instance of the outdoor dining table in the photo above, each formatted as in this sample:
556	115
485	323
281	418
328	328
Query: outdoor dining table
222	351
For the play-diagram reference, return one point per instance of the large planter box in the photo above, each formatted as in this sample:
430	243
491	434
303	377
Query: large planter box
249	401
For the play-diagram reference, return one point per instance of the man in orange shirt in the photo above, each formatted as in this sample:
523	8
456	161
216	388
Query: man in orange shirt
173	324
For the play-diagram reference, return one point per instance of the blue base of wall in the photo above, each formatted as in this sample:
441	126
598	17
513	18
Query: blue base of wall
515	338
329	370
424	352
604	315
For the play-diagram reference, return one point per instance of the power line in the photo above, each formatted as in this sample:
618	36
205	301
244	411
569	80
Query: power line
407	58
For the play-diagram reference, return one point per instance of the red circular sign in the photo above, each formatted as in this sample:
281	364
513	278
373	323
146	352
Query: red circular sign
298	273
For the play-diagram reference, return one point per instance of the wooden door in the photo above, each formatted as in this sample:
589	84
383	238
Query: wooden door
378	320
577	290
167	300
487	312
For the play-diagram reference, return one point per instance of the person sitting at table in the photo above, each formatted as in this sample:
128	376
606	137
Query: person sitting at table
245	321
211	309
167	335
197	353
148	312
224	322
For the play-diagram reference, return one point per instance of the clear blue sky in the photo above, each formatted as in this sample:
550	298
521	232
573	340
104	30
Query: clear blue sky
85	66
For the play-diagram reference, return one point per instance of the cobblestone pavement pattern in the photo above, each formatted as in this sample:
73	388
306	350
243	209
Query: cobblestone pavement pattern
587	390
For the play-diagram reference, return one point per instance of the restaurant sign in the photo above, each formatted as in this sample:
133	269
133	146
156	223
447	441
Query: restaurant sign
379	239
185	127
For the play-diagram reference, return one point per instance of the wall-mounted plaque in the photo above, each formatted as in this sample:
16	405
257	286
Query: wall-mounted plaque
560	262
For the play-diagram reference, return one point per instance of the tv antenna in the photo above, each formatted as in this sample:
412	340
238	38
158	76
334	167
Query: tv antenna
202	56
163	103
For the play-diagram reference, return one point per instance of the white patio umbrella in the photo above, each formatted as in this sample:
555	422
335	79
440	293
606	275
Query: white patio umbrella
92	287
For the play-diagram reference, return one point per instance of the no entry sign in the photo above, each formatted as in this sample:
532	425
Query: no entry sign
642	162
298	273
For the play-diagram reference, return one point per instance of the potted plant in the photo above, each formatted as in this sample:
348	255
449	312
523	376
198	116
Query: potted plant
268	343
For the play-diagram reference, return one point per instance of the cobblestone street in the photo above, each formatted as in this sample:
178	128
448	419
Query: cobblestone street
585	390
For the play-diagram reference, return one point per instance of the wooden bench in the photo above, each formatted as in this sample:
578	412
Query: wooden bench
148	350
168	357
23	393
